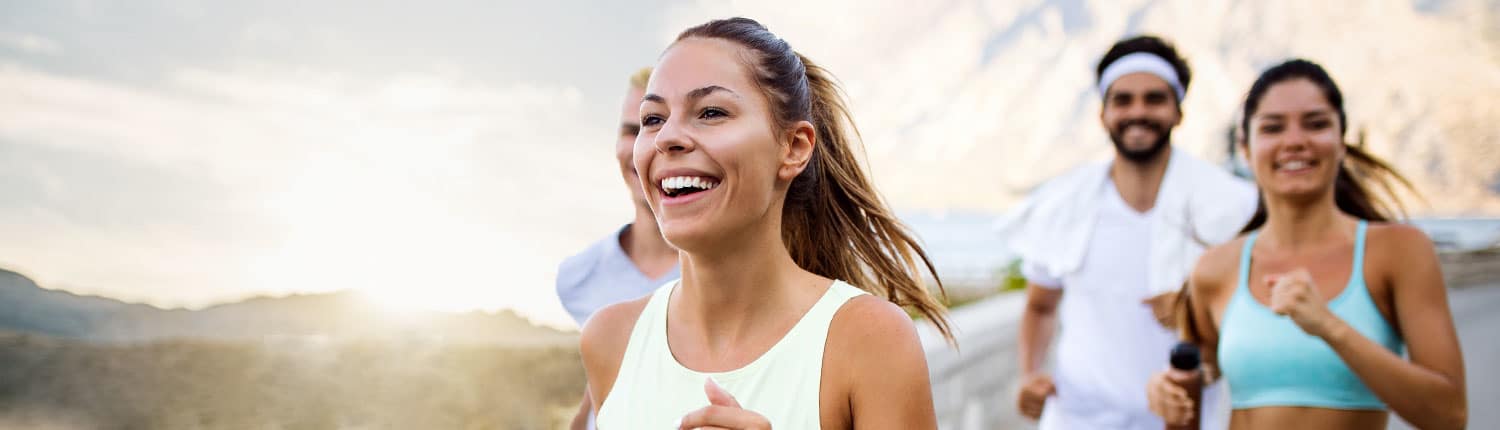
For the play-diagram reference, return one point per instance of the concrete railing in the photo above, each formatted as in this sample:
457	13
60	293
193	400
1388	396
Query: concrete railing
973	387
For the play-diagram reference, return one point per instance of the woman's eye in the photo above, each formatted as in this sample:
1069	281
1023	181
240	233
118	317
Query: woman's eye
714	113
1271	128
650	120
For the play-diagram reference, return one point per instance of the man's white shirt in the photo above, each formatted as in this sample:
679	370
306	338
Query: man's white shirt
1077	233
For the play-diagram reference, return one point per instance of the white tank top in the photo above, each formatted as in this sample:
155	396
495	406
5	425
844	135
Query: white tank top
654	391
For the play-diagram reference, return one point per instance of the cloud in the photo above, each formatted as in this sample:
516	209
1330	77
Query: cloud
461	148
30	43
435	182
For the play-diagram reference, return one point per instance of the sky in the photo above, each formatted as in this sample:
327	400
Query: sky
184	153
449	154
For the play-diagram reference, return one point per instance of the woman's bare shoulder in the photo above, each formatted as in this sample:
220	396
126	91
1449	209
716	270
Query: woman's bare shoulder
873	350
607	332
1217	267
603	341
871	334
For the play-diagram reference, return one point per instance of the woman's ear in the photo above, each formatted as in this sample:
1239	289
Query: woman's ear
798	151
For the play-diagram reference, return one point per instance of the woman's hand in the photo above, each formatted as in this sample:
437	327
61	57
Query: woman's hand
1169	400
722	413
1294	295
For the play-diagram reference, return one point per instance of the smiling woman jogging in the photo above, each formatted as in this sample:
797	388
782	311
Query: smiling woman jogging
748	157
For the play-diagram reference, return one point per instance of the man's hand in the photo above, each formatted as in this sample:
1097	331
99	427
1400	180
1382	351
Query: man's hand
1034	392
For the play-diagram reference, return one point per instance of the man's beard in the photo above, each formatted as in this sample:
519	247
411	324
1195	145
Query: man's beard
1164	135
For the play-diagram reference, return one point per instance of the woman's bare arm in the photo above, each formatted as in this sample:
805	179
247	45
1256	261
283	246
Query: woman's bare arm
889	387
1427	391
602	346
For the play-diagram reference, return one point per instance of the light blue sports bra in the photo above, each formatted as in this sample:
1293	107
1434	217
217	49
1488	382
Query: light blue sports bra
1269	361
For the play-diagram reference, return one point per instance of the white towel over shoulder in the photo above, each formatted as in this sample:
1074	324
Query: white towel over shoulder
1199	205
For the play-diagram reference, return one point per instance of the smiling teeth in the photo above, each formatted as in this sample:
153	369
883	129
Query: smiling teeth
1293	165
676	183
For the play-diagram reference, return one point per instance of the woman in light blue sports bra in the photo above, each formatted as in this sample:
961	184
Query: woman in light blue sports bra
1308	315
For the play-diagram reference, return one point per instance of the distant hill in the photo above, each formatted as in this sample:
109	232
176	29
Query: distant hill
51	383
26	307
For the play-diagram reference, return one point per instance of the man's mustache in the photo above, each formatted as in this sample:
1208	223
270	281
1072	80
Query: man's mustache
1153	125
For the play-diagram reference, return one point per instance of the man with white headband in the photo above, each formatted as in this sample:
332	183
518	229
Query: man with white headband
1119	237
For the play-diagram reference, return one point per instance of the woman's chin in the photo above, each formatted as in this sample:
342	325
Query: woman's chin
1299	192
685	238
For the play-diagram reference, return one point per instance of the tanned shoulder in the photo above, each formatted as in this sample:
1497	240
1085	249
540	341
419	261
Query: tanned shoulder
1216	270
603	341
876	350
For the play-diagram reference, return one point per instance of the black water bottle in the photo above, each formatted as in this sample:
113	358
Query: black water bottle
1186	374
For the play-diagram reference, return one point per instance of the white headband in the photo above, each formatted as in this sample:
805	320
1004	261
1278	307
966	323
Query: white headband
1138	63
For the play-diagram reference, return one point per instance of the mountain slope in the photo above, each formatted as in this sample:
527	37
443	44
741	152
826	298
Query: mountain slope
28	308
972	104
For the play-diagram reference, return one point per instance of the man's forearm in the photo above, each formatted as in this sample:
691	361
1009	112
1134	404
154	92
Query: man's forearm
1036	335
